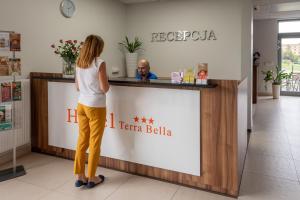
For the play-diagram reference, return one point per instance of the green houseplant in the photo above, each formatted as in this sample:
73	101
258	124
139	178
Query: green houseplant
276	77
131	55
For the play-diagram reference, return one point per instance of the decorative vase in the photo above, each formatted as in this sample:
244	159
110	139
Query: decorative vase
68	69
131	64
276	91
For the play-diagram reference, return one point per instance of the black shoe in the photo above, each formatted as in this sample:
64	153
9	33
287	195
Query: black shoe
80	183
91	184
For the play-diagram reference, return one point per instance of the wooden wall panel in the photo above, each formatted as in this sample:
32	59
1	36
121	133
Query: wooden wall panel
219	148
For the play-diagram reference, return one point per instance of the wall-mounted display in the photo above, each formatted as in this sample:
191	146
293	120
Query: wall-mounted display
17	91
4	66
15	67
6	92
5	117
15	42
11	91
4	41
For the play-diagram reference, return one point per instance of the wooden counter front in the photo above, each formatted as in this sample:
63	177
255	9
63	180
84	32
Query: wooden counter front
221	162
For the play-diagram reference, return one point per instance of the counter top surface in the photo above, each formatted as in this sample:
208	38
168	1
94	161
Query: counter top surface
158	83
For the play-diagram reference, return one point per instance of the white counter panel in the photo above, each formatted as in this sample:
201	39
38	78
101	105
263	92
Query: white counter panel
157	127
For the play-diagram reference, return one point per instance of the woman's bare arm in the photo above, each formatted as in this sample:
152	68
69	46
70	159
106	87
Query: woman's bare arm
103	79
76	83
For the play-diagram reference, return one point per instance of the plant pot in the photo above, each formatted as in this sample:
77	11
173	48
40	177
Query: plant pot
131	64
68	70
276	91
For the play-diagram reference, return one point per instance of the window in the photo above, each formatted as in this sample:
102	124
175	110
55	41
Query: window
289	26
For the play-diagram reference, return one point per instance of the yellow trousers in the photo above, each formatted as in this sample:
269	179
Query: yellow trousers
91	127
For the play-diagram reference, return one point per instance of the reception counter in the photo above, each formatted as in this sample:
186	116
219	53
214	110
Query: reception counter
185	134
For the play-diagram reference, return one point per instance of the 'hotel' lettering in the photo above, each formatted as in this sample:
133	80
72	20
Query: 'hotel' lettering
69	115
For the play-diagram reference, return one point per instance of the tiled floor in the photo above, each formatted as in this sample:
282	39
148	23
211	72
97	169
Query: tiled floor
272	169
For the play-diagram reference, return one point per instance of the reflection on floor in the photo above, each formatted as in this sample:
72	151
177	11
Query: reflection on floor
272	169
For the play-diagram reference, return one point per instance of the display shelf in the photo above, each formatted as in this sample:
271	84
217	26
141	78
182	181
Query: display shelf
8	113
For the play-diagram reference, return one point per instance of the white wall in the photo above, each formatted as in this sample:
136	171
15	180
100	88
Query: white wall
247	38
41	24
247	47
224	56
229	57
242	123
265	42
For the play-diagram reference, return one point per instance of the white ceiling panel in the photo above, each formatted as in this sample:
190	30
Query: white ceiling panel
136	1
264	9
276	9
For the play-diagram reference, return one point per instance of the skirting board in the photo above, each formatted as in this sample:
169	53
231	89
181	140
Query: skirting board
21	151
264	94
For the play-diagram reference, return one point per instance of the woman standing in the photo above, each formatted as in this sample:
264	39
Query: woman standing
92	84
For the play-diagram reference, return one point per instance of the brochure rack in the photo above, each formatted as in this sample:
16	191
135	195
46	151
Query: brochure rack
15	171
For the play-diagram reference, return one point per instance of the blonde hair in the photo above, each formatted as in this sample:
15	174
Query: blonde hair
91	48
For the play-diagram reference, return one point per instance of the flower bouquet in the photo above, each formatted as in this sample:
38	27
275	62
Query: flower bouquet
68	50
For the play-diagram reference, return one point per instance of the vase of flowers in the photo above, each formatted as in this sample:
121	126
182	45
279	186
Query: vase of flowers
68	69
68	51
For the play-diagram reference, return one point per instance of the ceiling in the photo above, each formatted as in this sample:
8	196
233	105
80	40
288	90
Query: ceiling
263	9
276	9
137	1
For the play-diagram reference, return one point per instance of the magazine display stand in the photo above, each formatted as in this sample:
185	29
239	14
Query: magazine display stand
15	171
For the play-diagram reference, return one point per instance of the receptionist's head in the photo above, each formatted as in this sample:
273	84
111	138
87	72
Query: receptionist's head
143	67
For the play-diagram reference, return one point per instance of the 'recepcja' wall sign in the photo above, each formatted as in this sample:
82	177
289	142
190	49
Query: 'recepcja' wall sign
183	36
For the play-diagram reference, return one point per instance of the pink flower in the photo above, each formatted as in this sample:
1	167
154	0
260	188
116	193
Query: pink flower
75	41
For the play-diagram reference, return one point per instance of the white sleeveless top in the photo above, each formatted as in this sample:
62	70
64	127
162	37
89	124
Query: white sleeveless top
89	86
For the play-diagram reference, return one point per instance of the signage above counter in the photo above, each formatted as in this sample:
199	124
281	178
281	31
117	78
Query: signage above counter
183	36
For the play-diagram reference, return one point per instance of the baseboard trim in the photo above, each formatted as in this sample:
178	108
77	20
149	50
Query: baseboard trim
264	94
6	157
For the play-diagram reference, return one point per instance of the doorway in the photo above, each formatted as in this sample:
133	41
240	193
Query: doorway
289	56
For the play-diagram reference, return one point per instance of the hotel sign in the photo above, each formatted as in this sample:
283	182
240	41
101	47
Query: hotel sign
149	126
184	36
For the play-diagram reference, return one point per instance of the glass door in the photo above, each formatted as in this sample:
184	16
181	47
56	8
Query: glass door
290	62
289	56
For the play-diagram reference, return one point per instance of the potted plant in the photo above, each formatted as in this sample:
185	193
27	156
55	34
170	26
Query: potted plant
276	79
131	55
68	51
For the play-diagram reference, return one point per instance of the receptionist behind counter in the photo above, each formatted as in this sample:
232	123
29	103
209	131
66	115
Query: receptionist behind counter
143	71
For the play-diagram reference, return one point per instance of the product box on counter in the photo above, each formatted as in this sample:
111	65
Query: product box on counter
202	74
176	77
189	76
